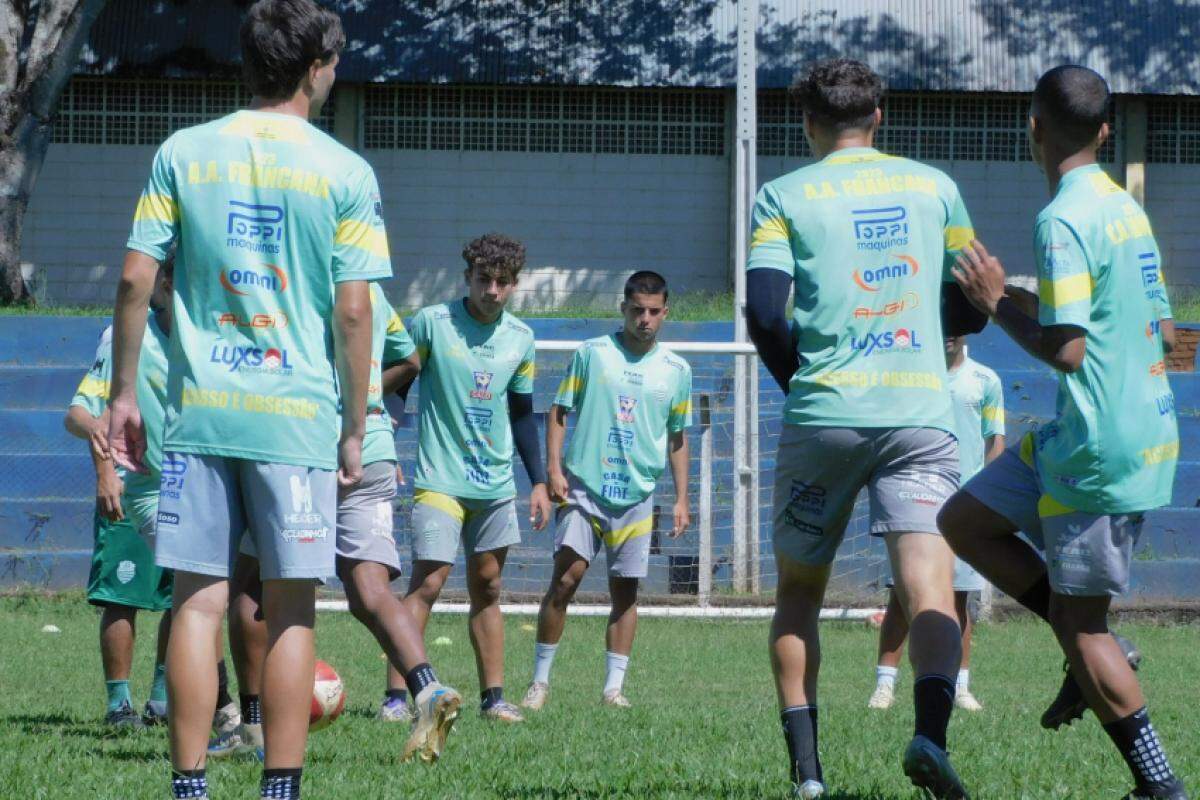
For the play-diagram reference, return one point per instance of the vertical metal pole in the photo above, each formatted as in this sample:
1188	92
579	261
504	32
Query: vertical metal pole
745	566
706	500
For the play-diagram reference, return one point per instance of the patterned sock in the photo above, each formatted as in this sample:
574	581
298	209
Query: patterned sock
491	696
280	784
118	694
251	709
188	783
396	694
1138	743
418	678
800	733
158	689
933	700
543	660
617	664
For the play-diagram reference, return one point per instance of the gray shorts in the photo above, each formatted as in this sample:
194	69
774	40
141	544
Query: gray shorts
206	502
364	518
966	578
439	521
584	523
1087	554
908	472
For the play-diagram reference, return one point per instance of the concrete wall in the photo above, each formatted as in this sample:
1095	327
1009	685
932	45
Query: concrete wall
1171	205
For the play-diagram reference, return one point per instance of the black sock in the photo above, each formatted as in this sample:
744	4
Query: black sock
418	678
1037	597
933	700
280	784
396	694
223	698
1138	743
800	733
490	697
188	783
251	708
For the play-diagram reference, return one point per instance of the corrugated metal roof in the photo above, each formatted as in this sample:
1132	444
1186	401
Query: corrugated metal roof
1142	46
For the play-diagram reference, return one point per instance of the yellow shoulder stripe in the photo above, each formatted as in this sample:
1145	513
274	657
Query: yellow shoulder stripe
1064	291
157	207
774	229
958	237
363	236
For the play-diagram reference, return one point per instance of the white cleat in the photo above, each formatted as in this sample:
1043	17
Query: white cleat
227	719
883	697
536	696
503	711
614	697
437	709
809	790
394	710
966	701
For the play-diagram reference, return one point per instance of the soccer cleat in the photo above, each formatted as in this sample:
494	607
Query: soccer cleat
966	701
809	790
615	697
123	716
1176	792
536	696
154	713
227	719
883	697
437	709
503	711
928	767
1070	704
244	740
394	709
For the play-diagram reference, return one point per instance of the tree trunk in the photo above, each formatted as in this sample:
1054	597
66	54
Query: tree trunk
20	162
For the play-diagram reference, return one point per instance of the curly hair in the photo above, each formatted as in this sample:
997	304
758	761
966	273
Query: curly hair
841	93
495	253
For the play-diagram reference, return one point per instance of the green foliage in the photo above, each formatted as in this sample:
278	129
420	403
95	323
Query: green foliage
704	722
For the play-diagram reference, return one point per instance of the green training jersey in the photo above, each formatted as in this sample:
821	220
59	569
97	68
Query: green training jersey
390	343
1113	445
267	213
627	405
465	446
93	392
868	239
977	397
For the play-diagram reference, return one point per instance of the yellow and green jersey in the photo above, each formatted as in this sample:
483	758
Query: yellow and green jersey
390	343
626	405
93	393
465	446
977	397
868	239
267	213
1113	445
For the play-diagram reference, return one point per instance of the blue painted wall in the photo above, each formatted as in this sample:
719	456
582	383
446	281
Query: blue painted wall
47	483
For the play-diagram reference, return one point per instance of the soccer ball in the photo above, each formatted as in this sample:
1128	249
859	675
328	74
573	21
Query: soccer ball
328	697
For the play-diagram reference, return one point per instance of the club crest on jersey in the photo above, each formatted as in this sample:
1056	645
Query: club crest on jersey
482	381
626	405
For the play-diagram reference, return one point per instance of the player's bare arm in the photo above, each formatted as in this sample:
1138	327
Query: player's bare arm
556	433
352	347
398	377
994	447
126	433
677	454
981	276
81	424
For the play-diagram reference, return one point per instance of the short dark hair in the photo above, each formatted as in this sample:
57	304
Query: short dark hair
280	41
1073	100
495	253
646	282
840	93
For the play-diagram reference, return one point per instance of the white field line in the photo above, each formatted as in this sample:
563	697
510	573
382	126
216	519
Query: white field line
695	612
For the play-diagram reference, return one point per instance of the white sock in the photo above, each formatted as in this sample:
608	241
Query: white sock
543	659
617	664
964	680
886	676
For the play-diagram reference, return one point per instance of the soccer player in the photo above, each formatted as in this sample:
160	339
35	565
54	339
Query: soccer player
123	576
978	399
476	402
279	232
865	240
634	402
367	562
1079	485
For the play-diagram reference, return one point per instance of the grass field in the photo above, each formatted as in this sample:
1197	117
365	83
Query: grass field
704	723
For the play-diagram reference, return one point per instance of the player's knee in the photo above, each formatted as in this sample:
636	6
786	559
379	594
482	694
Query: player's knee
624	592
484	588
1071	617
367	600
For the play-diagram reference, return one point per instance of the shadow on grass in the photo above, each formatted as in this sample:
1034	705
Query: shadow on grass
93	731
656	788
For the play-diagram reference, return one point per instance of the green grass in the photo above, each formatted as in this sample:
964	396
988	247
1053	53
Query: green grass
704	722
55	311
1185	304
